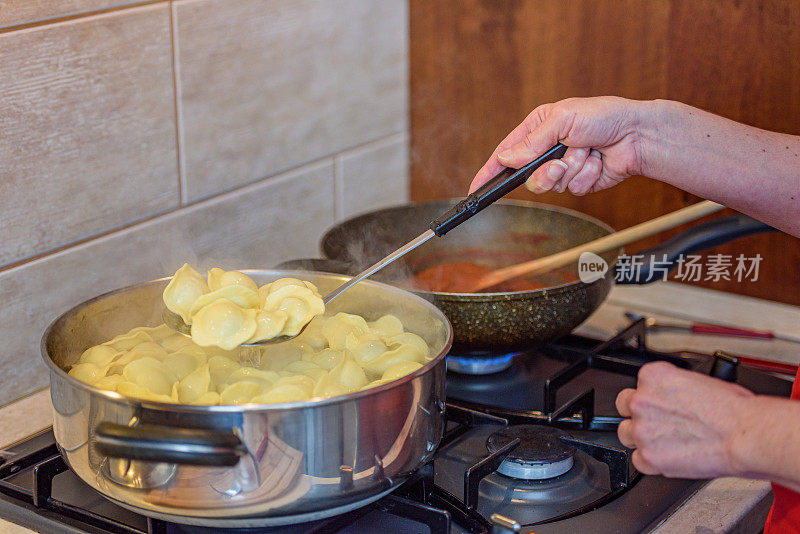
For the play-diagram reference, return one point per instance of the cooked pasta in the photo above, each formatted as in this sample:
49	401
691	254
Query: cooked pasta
229	309
333	356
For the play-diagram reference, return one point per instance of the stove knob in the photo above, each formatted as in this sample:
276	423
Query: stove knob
725	366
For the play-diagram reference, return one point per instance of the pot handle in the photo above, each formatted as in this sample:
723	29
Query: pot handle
320	264
155	443
698	238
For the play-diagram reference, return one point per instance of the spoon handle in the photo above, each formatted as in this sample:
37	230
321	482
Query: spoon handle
499	186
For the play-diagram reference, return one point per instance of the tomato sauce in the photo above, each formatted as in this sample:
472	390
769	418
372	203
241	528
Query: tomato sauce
461	277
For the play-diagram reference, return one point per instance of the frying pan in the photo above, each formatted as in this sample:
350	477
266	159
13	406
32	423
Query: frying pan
505	233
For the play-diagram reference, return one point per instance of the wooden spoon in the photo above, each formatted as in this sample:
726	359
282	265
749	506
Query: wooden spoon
598	246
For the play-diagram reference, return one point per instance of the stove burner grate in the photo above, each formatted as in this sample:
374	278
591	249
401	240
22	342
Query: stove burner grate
540	455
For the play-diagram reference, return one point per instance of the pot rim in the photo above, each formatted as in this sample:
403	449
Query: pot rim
237	408
498	295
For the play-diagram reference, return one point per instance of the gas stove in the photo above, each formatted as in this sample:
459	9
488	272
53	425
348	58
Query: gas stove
530	446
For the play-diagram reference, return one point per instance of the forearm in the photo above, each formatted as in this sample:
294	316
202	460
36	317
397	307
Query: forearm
751	170
766	444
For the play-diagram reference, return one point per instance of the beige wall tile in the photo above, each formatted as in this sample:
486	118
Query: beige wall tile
257	226
267	85
372	176
14	12
88	132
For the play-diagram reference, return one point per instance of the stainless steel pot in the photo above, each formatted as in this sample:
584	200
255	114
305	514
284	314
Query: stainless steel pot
251	465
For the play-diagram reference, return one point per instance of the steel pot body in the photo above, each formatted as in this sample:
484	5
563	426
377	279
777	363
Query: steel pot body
250	465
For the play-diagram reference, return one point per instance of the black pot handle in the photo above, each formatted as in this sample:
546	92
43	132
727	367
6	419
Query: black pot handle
320	264
156	443
499	186
701	237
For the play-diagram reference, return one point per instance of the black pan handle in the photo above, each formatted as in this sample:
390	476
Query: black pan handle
496	188
701	237
156	443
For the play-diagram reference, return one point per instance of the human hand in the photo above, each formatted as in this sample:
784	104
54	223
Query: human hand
682	423
602	133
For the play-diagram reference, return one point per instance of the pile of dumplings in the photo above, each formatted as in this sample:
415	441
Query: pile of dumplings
229	309
333	356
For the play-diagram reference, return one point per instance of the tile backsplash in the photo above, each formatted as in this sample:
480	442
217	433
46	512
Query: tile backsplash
139	136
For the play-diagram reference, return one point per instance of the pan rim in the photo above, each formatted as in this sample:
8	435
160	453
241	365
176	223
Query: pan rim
496	295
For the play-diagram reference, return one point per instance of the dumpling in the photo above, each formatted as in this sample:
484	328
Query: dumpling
241	296
282	393
388	325
269	324
129	340
120	361
109	382
156	333
399	370
303	382
363	349
403	353
375	383
220	368
88	372
337	327
149	348
182	363
408	338
224	324
299	303
326	358
313	334
349	374
150	374
99	355
327	387
276	357
207	399
266	289
186	286
176	342
265	379
194	385
218	278
130	389
305	368
239	392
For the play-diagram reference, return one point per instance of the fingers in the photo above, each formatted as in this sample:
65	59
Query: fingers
544	126
588	175
546	176
623	402
493	165
642	465
574	158
625	434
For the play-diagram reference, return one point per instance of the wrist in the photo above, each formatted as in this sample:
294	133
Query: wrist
652	119
743	444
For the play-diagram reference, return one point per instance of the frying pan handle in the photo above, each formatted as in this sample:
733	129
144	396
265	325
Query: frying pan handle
156	443
496	188
701	237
